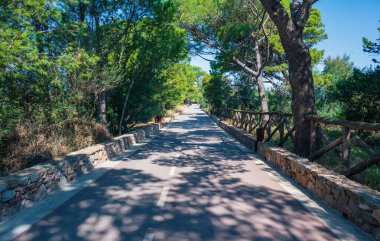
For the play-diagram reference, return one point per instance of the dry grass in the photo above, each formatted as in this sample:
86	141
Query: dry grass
34	142
181	108
172	112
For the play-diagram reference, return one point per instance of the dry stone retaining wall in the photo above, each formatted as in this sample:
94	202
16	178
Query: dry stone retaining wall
21	189
352	200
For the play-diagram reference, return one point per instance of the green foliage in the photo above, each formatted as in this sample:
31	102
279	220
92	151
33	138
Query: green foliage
178	85
57	56
216	90
372	48
314	33
360	95
336	70
231	30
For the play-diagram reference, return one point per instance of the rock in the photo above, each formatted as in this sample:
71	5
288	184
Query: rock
8	195
69	170
57	176
34	176
367	228
329	199
8	211
3	186
12	184
47	179
51	170
53	186
367	217
26	203
353	206
23	181
318	192
62	181
376	234
41	192
365	207
91	159
29	196
310	186
376	215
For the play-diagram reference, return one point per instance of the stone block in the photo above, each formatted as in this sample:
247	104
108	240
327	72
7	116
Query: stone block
41	193
376	214
53	186
7	195
11	183
310	186
3	186
376	234
363	206
368	227
368	218
354	208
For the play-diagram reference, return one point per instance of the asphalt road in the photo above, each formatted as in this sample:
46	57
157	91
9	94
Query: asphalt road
192	182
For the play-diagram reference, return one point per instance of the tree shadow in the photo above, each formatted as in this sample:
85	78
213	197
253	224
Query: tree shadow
216	197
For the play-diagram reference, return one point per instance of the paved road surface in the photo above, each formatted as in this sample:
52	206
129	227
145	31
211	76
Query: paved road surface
189	183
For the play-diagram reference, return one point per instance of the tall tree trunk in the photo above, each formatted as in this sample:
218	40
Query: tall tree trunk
260	84
124	108
260	80
101	107
263	97
290	28
303	99
82	11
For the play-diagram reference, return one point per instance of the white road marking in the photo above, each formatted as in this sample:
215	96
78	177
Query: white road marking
164	193
172	171
148	237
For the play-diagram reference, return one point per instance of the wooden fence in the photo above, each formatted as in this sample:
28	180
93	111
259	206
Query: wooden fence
266	125
349	136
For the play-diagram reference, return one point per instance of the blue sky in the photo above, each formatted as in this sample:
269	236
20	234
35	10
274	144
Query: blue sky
347	22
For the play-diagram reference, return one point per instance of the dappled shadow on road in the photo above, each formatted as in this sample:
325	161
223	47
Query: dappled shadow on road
210	198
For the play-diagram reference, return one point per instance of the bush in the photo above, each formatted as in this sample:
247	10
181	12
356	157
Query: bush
360	95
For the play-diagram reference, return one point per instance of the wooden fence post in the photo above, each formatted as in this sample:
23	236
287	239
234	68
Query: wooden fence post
282	128
346	147
260	132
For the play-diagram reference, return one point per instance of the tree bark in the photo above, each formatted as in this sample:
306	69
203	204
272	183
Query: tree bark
101	107
124	108
301	80
260	84
262	94
303	100
260	80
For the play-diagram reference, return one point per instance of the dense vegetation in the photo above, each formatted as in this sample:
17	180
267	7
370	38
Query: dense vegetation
266	59
339	86
75	72
66	63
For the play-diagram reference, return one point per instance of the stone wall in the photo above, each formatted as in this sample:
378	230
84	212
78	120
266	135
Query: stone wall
21	189
354	201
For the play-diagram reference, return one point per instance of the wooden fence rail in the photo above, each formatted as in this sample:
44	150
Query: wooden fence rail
266	125
345	141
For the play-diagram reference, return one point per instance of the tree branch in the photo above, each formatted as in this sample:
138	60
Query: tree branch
300	12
